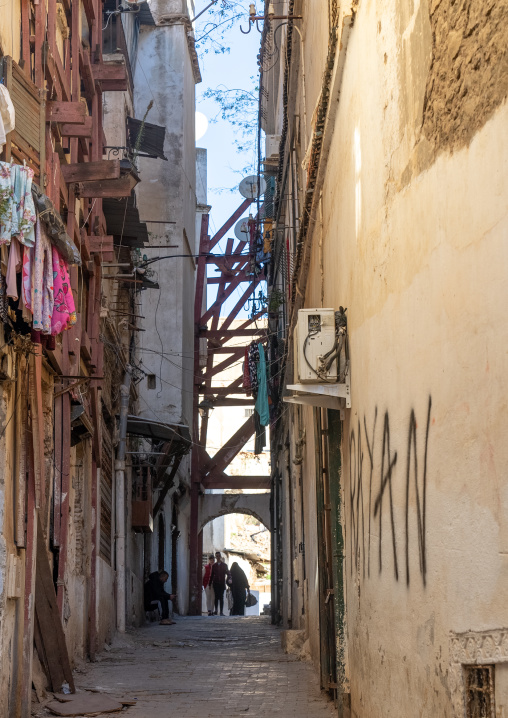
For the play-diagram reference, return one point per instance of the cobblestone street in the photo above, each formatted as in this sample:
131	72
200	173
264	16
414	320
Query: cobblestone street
207	667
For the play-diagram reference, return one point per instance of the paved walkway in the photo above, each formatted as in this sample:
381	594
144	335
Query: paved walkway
204	667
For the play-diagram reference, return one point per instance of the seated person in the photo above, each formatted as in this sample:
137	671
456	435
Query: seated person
156	595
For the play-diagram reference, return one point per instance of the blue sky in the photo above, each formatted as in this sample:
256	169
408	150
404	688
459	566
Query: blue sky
234	70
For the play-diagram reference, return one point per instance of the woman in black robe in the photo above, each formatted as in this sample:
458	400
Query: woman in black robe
239	586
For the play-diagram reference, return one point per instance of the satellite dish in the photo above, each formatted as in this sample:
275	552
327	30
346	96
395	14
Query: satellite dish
249	187
242	229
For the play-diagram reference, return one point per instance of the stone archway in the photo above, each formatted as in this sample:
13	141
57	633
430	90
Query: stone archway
211	506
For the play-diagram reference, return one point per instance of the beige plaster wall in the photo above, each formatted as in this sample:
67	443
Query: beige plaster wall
414	244
10	22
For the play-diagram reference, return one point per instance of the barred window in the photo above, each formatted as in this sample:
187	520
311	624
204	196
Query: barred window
480	702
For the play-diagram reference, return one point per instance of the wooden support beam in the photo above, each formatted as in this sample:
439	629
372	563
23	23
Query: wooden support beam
223	390
89	171
121	187
84	245
221	298
111	75
84	130
86	72
230	333
255	318
89	10
240	304
227	453
168	483
102	244
109	71
238	482
241	276
231	221
226	401
71	113
65	89
218	368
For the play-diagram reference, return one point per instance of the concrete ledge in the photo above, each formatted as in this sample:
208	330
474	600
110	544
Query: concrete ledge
292	641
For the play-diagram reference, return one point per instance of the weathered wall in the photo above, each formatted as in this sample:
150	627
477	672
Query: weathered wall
106	606
78	563
414	220
167	201
10	18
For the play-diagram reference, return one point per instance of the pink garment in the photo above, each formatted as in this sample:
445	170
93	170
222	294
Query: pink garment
26	277
13	266
64	311
37	281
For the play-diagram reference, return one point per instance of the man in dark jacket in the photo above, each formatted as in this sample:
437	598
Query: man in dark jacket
218	576
155	594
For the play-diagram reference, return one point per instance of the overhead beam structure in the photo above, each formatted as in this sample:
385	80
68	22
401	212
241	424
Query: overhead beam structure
209	472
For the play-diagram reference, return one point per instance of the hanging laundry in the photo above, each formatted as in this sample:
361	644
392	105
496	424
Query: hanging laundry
7	115
64	311
6	196
42	287
37	281
262	397
17	210
13	266
253	362
246	372
259	435
23	210
4	306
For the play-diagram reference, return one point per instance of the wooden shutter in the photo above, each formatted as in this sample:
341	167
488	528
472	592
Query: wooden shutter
24	143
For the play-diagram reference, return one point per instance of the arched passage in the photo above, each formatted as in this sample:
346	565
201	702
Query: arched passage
211	506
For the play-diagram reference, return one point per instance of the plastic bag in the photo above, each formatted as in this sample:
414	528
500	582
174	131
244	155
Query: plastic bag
250	600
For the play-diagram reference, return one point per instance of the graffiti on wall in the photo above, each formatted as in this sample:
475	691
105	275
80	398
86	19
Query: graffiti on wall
375	473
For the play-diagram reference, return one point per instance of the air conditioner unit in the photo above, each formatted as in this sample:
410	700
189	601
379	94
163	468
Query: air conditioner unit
315	337
272	143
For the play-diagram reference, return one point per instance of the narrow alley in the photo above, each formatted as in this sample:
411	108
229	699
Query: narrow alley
206	667
254	358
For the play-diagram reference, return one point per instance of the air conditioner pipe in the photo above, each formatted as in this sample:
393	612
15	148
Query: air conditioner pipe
120	501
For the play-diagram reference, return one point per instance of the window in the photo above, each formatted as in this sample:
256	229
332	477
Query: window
151	381
249	412
480	701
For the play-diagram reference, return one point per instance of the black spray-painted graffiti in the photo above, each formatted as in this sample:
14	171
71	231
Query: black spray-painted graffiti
416	481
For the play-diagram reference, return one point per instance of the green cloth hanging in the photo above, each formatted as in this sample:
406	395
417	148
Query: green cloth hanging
262	398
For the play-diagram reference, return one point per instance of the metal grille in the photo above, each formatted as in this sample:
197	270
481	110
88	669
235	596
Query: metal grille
106	495
480	702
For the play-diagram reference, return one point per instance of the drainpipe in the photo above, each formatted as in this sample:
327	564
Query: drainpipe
120	500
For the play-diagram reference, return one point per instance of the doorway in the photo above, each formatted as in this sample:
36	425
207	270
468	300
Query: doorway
161	543
175	533
330	542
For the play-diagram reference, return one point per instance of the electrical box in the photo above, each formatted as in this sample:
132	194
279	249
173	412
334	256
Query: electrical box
142	520
315	337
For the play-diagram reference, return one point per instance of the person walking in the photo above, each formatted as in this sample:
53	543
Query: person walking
239	587
218	577
207	584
